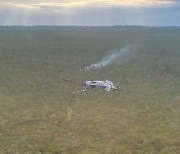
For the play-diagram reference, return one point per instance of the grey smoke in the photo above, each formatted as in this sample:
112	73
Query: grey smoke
107	59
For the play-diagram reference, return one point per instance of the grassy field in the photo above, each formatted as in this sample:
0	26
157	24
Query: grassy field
40	68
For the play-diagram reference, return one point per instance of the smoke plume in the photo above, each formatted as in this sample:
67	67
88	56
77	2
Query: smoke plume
107	59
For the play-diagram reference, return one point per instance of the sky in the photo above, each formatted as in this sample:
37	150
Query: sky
90	12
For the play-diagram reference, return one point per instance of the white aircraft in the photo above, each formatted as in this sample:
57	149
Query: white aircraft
105	85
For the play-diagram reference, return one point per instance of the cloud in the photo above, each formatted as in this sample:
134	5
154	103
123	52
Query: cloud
90	12
118	15
78	3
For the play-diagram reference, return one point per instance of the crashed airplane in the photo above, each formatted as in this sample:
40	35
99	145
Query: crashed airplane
104	85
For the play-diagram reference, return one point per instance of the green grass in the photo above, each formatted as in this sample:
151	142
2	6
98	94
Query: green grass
40	68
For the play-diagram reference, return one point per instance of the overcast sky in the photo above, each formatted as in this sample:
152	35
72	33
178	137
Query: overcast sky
90	12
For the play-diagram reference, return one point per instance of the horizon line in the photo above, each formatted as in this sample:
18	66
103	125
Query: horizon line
88	26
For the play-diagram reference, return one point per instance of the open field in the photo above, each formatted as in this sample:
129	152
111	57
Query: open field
40	68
